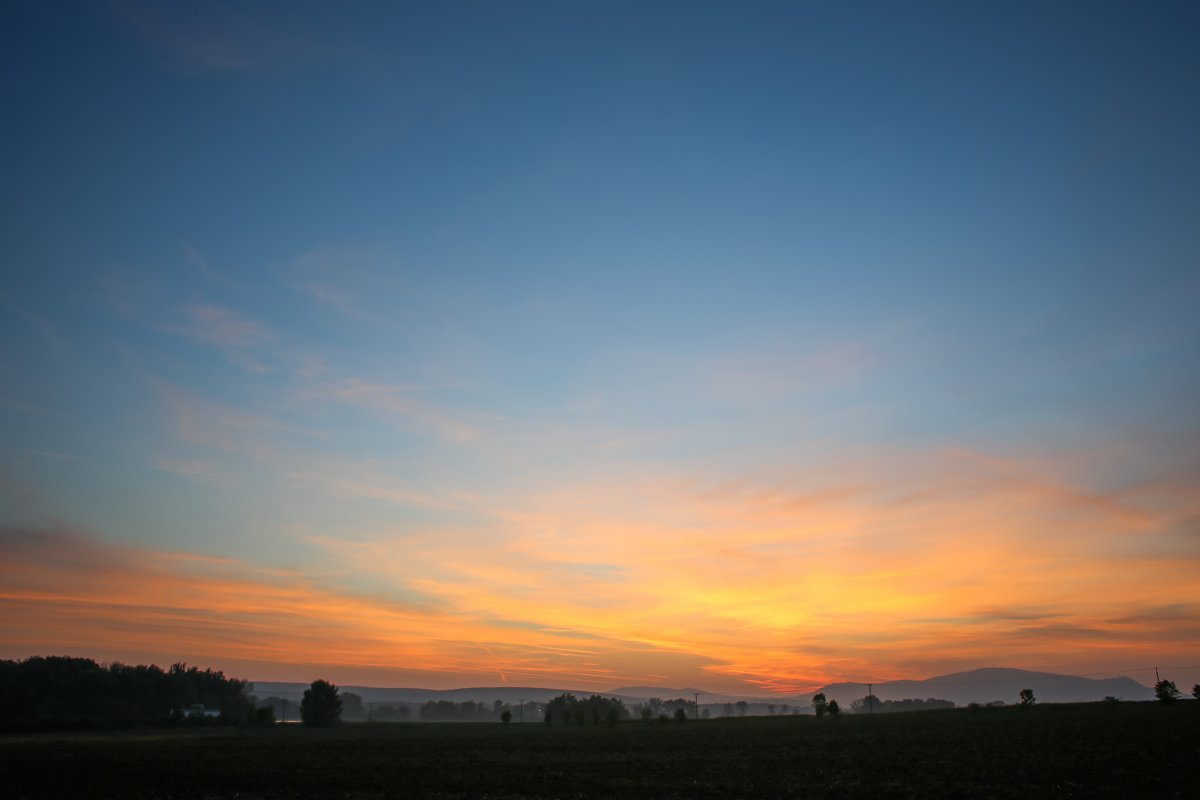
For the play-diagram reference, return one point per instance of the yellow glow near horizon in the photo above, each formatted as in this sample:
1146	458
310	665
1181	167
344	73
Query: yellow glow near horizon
769	594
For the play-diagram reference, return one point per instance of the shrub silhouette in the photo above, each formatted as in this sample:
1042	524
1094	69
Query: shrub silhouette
1166	691
866	705
1027	698
321	706
1196	691
819	704
834	709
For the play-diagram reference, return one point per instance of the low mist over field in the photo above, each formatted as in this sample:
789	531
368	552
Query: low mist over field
977	686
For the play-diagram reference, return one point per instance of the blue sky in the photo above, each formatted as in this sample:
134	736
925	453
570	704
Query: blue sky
460	284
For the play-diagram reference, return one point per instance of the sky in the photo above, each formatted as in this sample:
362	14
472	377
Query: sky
745	346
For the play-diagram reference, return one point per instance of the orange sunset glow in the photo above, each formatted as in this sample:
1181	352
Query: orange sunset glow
731	586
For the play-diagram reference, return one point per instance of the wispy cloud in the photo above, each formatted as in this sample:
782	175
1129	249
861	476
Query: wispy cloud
238	336
397	402
355	282
201	264
221	37
188	468
223	428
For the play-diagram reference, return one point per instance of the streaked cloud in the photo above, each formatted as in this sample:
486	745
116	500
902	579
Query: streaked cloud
109	600
220	37
398	402
238	336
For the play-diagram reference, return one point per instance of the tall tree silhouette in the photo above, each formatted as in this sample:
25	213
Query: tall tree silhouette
321	706
1166	691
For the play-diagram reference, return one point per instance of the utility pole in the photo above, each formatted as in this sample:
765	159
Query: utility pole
521	711
285	710
870	699
697	696
370	712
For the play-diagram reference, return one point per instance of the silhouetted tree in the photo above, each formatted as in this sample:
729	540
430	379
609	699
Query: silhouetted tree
279	707
689	706
567	708
868	704
1196	691
742	705
321	706
1166	691
506	716
820	705
353	709
680	715
834	709
1027	698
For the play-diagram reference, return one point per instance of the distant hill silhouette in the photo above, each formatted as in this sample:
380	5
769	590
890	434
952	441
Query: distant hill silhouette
973	686
988	685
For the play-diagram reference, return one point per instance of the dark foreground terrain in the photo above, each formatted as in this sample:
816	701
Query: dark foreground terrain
1116	750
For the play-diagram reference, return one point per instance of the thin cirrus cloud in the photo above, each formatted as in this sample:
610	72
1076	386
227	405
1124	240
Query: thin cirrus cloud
238	336
398	402
220	38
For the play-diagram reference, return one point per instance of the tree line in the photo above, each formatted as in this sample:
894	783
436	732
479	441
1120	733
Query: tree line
870	704
466	711
567	709
66	693
679	709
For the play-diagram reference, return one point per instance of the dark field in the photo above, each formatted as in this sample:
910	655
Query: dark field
1119	751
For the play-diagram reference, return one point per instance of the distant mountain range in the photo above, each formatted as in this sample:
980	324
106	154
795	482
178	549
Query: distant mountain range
961	688
989	685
